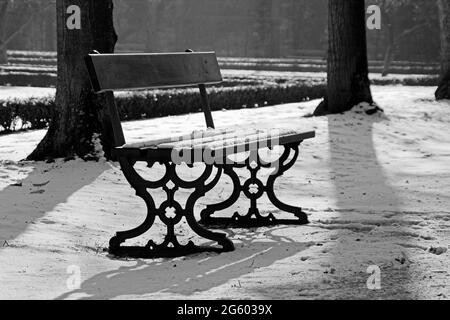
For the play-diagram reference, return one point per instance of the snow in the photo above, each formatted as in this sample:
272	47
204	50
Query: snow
11	92
376	189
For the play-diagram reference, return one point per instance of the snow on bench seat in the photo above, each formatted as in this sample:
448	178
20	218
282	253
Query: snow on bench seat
242	139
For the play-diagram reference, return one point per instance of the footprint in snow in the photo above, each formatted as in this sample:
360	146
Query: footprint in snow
37	192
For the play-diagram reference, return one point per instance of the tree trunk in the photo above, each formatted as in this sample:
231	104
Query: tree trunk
263	29
390	45
275	41
78	114
50	30
3	50
182	8
348	81
443	91
155	11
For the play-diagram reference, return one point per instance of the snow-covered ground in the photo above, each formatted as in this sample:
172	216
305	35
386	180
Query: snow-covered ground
376	190
24	92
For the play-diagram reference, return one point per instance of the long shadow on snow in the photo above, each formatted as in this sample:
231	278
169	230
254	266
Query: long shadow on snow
360	186
194	273
45	187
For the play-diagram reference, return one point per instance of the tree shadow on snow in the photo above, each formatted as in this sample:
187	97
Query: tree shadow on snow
45	186
365	203
188	275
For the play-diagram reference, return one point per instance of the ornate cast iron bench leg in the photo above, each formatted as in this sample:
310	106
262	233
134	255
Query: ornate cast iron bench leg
253	218
170	247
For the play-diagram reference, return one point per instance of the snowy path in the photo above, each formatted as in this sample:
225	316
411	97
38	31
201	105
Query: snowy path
377	192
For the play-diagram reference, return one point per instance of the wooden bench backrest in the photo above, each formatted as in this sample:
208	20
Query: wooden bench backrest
109	72
152	70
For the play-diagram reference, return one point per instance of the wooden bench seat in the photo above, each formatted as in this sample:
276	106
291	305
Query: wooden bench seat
110	72
220	143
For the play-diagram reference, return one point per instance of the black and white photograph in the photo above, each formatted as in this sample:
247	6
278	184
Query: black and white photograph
241	151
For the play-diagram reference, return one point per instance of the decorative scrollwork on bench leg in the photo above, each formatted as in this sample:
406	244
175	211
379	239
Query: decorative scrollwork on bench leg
302	218
253	188
171	246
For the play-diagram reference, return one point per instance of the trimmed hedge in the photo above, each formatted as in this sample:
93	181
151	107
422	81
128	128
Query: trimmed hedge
175	102
428	81
47	80
34	78
35	113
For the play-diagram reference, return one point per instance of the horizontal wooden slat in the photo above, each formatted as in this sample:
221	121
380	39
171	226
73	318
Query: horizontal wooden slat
233	138
152	70
199	141
255	142
154	143
260	143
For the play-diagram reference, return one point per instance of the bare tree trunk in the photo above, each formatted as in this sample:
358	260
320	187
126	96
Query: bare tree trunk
263	28
50	30
78	114
348	81
443	91
390	45
3	50
275	41
155	11
182	7
247	36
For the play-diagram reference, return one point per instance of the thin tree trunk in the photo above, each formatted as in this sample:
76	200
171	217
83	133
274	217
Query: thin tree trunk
78	114
264	28
182	7
50	30
389	53
246	36
348	81
443	91
392	44
275	41
155	11
3	49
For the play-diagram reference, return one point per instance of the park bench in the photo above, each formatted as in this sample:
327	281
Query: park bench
211	147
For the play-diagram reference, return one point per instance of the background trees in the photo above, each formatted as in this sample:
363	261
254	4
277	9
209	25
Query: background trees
237	27
264	28
26	22
443	91
405	23
78	115
3	11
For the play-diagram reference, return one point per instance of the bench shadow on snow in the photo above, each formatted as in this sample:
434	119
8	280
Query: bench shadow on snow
43	189
197	273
